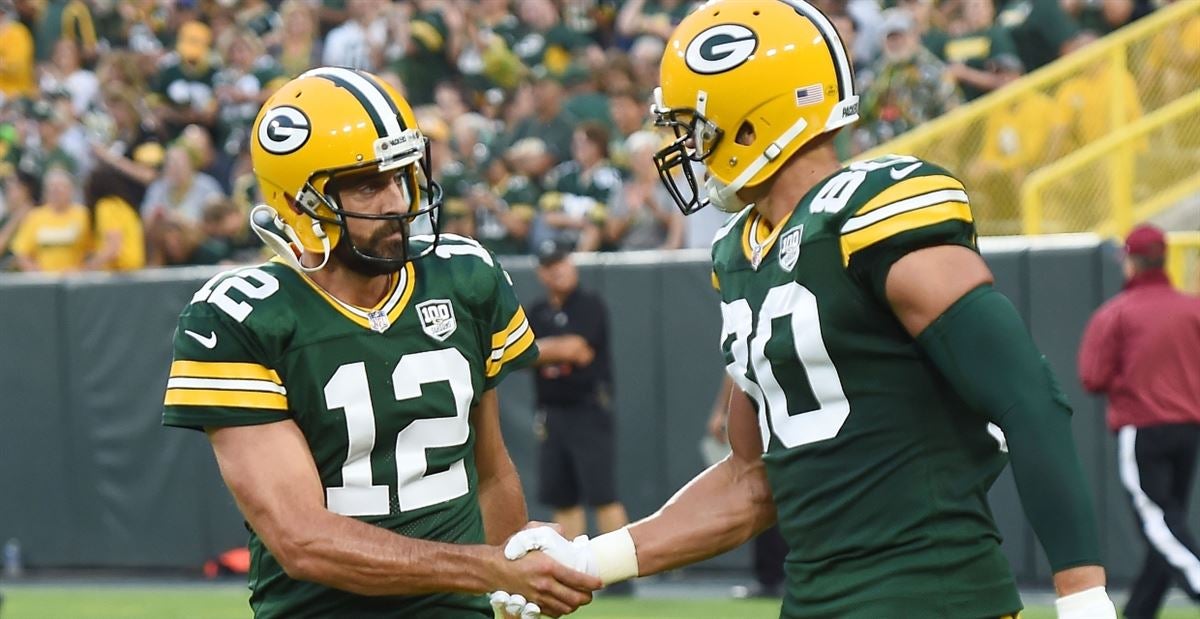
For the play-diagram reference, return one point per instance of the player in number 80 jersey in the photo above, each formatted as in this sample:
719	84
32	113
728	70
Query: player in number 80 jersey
347	386
883	383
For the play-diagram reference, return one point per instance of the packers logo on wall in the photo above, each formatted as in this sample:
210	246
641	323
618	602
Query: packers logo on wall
284	130
720	48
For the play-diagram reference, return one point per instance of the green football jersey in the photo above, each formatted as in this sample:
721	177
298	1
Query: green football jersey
383	396
878	469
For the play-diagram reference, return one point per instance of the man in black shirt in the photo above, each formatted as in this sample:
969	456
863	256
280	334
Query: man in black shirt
574	398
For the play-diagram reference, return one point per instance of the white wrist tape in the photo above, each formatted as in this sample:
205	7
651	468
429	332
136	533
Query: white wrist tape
1091	603
615	555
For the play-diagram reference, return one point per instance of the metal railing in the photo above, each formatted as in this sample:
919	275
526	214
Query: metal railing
1098	140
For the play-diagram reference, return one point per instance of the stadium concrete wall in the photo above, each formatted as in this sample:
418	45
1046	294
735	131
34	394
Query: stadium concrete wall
89	478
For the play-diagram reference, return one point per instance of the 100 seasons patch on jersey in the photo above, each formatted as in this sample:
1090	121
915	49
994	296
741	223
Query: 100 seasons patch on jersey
437	318
789	248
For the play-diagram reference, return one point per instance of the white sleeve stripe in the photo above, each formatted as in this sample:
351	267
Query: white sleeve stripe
904	206
226	384
517	334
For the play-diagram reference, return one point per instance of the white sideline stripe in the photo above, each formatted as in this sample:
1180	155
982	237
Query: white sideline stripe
903	206
498	353
1154	525
226	384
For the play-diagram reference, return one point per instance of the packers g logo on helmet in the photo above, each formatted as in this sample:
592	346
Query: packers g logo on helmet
720	48
745	85
284	130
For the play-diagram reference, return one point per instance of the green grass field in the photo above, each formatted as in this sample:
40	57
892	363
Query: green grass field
183	602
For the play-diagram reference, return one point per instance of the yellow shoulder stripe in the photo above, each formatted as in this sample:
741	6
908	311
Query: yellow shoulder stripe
512	352
910	220
235	399
716	284
499	337
909	188
217	369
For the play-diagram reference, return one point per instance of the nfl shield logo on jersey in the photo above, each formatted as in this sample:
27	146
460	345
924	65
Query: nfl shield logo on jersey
379	321
437	318
789	248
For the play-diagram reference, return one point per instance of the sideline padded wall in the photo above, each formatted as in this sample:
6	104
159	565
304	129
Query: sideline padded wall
89	478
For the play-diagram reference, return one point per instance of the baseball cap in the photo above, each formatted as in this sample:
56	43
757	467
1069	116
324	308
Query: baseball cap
896	20
194	41
551	251
1147	241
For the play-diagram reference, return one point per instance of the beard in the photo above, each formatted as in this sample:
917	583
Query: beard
389	254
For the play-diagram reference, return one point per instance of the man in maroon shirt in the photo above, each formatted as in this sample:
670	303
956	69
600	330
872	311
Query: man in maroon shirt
1142	349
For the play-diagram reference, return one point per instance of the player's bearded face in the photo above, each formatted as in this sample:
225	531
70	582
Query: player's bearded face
387	241
374	194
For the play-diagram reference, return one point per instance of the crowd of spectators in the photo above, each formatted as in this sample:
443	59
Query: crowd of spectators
124	125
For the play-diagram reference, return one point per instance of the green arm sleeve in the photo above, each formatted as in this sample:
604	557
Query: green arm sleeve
982	348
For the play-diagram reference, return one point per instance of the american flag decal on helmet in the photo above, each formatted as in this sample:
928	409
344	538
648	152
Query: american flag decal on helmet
809	95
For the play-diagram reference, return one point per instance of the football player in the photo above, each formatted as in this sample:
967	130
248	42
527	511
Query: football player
348	386
883	382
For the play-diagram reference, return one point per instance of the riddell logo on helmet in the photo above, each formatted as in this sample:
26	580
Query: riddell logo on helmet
720	48
284	130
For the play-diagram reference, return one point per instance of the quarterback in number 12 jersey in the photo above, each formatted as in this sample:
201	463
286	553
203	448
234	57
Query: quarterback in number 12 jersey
878	470
381	394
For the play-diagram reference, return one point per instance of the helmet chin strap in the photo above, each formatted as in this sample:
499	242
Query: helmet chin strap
725	197
286	248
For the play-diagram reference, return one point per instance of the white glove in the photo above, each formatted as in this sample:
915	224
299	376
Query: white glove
576	555
611	557
505	605
1091	603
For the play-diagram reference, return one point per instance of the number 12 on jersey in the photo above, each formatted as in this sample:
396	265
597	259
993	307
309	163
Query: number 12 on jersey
348	390
781	361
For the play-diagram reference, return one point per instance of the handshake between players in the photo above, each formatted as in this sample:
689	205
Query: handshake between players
581	555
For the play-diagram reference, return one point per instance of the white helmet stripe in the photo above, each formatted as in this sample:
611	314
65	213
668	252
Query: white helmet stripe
367	91
840	60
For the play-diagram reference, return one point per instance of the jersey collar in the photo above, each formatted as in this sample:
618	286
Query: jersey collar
758	238
381	317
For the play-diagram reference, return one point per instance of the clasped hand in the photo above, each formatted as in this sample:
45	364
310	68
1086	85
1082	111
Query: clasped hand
558	596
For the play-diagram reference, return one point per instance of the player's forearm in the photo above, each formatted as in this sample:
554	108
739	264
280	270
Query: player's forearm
502	502
354	556
718	510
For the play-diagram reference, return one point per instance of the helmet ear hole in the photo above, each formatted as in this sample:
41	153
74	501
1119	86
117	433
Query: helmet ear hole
745	134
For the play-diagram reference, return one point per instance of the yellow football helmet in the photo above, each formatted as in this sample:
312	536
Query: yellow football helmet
777	66
327	122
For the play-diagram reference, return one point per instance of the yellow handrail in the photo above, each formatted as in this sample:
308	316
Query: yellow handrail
1041	78
1183	260
1100	105
1122	139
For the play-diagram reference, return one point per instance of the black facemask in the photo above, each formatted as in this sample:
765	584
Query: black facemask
695	139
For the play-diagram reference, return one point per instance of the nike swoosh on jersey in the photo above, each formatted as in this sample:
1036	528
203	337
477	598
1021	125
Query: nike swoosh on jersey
207	342
899	173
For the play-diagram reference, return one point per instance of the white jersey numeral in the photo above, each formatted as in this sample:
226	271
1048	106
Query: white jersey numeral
777	416
835	194
349	390
252	282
